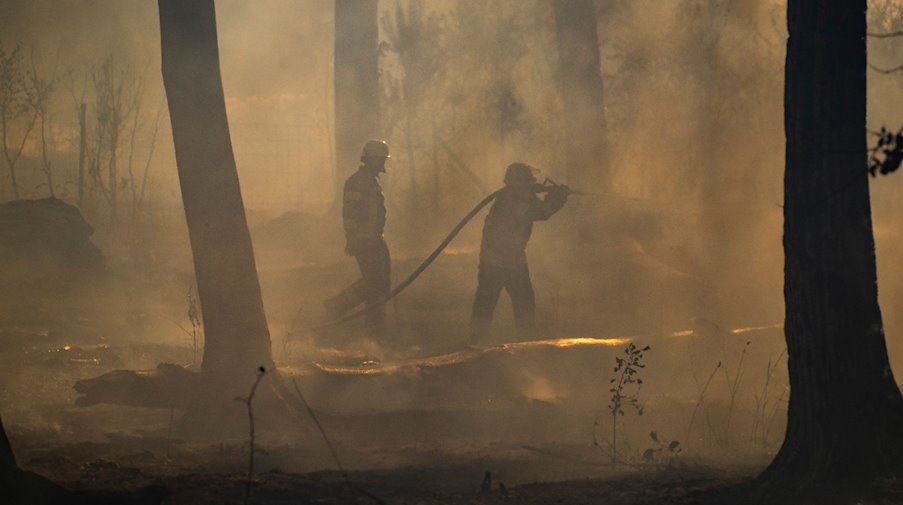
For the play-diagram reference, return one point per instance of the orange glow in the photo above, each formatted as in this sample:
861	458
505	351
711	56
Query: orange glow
569	342
740	331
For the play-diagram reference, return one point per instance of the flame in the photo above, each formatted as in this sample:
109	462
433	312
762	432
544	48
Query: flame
570	342
740	331
735	331
415	364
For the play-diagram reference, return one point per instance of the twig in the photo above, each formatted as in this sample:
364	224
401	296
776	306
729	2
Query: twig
195	324
770	420
169	433
885	70
173	321
332	451
313	415
249	402
762	403
733	387
705	388
885	35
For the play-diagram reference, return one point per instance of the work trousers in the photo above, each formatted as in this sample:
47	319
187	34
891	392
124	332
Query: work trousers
373	286
490	282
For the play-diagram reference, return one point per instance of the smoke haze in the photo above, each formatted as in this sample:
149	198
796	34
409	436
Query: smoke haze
688	233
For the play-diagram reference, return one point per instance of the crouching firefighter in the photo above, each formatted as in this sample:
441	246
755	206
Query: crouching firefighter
364	218
503	257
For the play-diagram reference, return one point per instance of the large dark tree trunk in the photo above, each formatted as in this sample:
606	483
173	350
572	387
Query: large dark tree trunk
22	487
845	413
356	84
582	93
237	338
7	459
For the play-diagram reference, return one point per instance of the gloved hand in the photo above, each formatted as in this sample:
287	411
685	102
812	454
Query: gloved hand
559	191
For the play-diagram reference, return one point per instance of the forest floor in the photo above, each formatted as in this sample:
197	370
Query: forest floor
535	452
534	419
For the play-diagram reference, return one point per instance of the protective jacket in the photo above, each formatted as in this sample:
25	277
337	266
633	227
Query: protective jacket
510	223
363	209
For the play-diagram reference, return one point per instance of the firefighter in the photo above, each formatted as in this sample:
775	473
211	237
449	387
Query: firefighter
503	257
364	218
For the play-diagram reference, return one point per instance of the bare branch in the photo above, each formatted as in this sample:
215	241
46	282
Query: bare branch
150	155
885	35
885	70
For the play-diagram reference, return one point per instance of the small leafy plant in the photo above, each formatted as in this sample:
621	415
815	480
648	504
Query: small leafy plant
661	452
625	389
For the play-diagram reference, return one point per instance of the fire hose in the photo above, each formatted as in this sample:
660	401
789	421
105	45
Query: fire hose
544	187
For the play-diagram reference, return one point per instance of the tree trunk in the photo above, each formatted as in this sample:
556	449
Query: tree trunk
582	92
7	459
845	413
21	487
356	84
112	172
237	338
82	152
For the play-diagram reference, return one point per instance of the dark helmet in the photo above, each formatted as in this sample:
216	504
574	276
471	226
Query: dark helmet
520	174
375	149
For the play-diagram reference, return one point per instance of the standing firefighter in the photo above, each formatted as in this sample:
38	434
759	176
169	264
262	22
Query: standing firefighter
364	218
503	256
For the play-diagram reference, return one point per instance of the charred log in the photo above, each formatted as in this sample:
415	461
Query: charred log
169	386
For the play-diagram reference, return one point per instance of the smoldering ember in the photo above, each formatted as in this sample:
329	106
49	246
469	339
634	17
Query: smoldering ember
451	251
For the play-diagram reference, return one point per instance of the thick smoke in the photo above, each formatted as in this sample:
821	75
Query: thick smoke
688	233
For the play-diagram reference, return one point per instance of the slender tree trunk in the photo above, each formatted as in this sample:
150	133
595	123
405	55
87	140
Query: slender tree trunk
412	169
722	227
844	420
582	92
82	151
237	337
48	169
112	171
437	170
356	84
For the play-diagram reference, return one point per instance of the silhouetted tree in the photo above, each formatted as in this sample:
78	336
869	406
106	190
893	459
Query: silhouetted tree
415	36
356	84
14	108
112	109
40	92
18	487
582	93
844	421
237	337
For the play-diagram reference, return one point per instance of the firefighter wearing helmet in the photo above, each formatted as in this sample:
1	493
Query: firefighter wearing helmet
364	219
503	257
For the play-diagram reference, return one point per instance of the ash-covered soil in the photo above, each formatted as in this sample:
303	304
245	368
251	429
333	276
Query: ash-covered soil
536	451
420	418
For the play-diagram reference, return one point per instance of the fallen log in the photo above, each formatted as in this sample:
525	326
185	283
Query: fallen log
486	377
168	386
